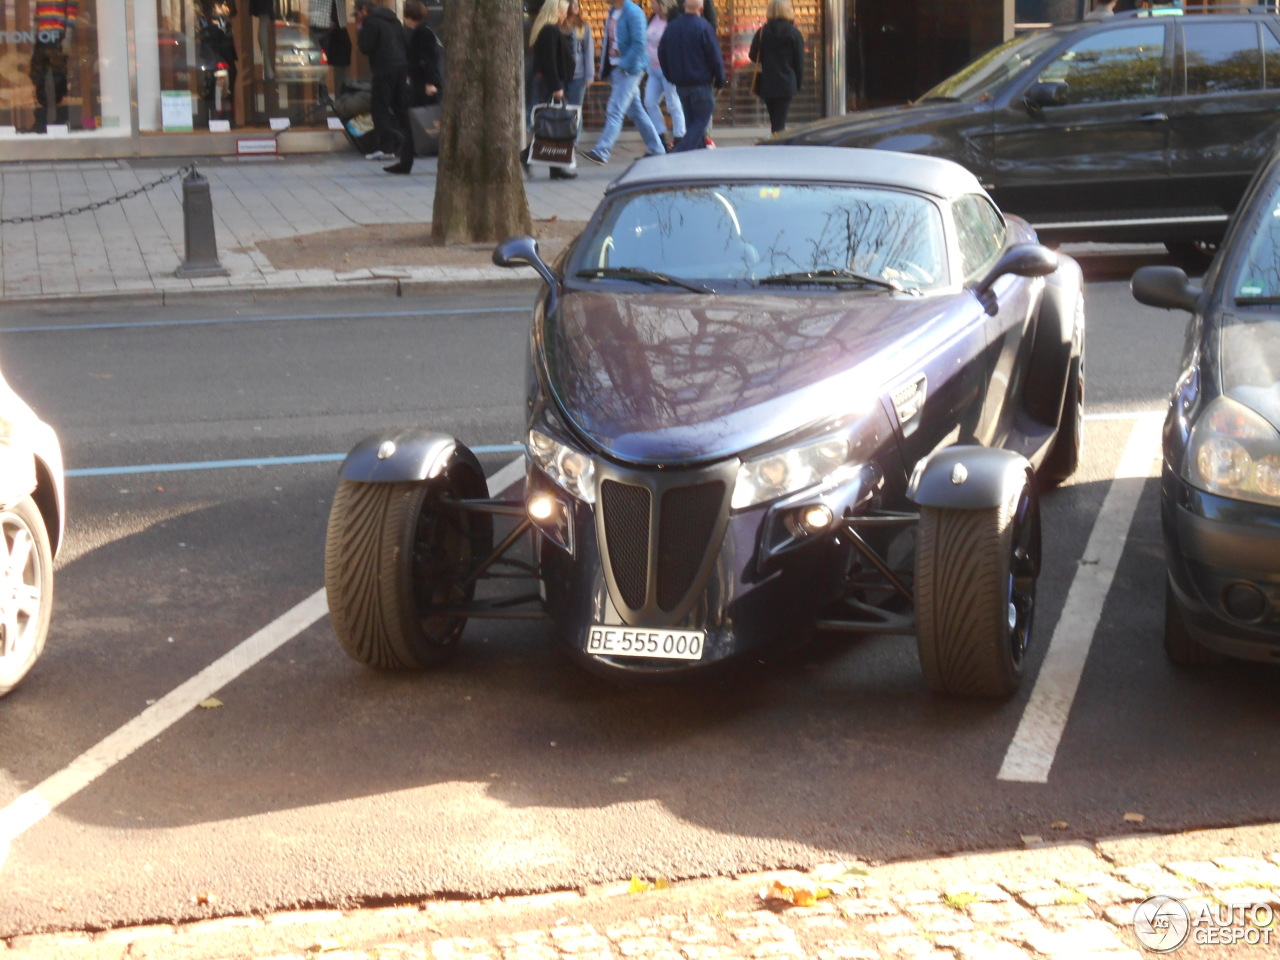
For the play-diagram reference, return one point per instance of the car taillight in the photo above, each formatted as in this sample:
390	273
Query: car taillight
324	57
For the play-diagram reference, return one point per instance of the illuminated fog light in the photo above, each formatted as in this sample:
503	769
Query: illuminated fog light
541	508
817	517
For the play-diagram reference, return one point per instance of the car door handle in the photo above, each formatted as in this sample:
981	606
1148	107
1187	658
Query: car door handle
1153	118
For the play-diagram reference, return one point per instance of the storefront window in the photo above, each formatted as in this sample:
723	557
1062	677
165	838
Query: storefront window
50	81
736	23
223	64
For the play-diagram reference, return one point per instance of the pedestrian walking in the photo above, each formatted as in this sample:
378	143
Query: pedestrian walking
779	49
425	76
381	38
584	54
553	62
690	58
622	63
656	88
708	14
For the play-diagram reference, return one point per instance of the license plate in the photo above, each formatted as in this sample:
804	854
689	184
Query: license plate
638	642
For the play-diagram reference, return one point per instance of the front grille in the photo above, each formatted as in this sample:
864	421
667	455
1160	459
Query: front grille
685	526
626	525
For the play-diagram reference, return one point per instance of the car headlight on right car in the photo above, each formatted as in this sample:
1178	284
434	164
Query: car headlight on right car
1234	452
776	475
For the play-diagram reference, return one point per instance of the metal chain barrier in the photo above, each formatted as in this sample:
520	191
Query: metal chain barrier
99	204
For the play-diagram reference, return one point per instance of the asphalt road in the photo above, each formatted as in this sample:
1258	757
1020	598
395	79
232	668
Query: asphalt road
320	782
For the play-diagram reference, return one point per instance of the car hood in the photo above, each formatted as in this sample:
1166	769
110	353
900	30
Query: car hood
870	128
669	377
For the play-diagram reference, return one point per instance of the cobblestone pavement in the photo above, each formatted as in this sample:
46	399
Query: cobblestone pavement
135	246
1062	901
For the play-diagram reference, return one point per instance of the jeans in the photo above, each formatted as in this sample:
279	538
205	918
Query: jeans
576	92
657	89
699	103
624	100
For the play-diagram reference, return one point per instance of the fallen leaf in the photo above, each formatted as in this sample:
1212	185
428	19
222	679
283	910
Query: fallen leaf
324	946
1029	838
159	489
639	886
796	894
210	704
1059	825
1134	818
661	884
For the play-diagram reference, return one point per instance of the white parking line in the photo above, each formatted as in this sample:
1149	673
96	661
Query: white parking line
36	804
1035	744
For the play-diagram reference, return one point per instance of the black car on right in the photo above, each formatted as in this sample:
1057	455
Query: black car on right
1143	127
1220	482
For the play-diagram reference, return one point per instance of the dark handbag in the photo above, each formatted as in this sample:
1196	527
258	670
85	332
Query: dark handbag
424	122
555	121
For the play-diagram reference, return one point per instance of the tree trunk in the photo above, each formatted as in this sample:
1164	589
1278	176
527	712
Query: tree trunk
480	186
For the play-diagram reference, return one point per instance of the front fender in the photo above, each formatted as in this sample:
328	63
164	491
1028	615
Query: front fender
968	478
405	456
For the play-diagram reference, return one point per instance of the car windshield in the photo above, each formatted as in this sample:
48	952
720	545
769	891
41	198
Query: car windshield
777	235
992	69
1250	336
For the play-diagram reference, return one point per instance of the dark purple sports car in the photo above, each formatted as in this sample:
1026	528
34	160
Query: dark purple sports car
769	392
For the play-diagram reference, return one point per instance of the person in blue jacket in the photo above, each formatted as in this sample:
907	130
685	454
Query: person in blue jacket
623	62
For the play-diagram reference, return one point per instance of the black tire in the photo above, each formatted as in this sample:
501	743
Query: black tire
26	590
393	553
1178	645
1068	446
975	589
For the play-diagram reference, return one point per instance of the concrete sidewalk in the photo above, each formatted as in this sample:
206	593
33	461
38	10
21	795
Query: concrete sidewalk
135	246
1070	901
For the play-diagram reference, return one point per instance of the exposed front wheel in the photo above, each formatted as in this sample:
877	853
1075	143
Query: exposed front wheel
26	590
1179	646
975	593
396	555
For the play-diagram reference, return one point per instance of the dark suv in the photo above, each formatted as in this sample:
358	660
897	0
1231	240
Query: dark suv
1146	126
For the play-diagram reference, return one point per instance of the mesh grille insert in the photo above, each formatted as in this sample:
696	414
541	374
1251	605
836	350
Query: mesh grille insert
689	516
626	530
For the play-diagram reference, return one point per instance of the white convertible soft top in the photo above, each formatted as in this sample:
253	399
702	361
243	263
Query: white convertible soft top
908	171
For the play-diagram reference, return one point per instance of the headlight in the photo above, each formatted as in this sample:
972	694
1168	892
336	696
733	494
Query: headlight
778	474
566	466
1234	452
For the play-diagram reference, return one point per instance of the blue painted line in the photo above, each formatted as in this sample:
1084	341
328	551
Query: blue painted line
121	325
255	462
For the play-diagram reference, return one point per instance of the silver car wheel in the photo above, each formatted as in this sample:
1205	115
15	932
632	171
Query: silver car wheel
26	588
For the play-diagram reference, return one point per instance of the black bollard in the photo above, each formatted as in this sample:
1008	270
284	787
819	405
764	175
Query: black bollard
197	222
